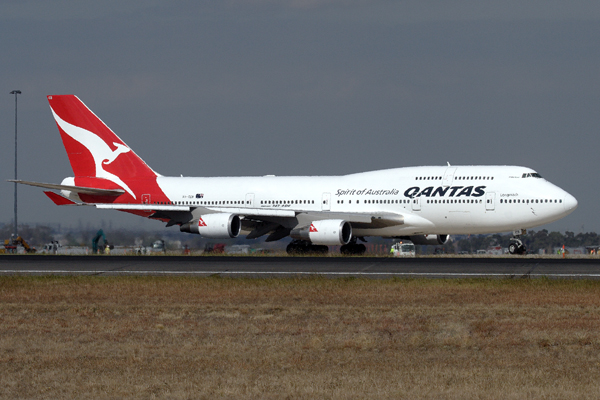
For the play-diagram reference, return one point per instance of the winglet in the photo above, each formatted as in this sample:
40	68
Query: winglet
59	200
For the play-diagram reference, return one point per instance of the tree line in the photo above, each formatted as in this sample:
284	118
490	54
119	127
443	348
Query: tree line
39	235
533	240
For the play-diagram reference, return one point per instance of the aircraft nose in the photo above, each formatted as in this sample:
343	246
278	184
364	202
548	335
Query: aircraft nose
569	203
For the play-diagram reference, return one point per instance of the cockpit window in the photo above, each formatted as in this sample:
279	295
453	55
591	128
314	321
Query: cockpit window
531	175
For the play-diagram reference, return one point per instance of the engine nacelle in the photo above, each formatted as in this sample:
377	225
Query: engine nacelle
330	232
429	239
215	226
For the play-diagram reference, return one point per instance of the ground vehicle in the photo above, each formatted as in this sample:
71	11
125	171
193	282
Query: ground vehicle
403	249
17	245
158	247
211	248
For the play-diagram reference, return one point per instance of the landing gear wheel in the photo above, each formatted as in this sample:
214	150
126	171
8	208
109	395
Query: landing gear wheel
517	247
297	247
316	249
353	249
301	247
360	249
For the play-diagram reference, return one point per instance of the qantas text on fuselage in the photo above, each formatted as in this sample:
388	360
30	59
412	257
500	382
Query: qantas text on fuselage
416	191
425	204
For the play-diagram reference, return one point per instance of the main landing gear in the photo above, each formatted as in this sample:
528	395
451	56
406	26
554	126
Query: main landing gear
516	246
304	247
353	249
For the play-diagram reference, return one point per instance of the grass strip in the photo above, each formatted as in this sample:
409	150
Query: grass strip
214	337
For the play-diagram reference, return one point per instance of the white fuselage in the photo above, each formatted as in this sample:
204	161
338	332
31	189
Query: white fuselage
431	199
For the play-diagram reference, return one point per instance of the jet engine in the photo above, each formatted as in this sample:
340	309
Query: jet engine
215	226
429	239
327	232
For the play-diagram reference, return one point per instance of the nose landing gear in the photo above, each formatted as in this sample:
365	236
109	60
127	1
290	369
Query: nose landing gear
516	246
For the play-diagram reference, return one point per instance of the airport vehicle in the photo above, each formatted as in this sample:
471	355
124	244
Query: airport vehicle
17	245
105	248
403	249
211	248
422	204
158	247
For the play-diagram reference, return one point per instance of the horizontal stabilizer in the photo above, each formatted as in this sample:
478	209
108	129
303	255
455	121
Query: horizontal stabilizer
76	189
59	200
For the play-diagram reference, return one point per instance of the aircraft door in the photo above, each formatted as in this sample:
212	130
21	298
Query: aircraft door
490	201
326	202
416	203
250	200
448	176
145	199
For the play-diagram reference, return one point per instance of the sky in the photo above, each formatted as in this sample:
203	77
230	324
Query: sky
304	87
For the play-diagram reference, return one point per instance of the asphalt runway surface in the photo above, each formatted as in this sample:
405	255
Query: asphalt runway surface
369	267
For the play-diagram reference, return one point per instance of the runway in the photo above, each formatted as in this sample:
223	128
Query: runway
368	267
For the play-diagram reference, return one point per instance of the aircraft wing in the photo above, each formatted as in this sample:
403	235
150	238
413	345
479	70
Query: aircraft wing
279	223
256	221
259	221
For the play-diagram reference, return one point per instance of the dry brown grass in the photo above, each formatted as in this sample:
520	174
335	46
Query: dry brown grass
115	337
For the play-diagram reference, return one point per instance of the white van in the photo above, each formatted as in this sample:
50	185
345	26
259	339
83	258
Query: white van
403	249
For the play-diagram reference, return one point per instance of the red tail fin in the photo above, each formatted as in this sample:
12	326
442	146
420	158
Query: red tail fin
96	152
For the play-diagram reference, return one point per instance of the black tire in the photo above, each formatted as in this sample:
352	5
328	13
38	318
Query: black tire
360	249
294	249
317	249
353	249
512	248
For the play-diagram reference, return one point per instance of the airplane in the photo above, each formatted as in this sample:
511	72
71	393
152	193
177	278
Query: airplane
422	204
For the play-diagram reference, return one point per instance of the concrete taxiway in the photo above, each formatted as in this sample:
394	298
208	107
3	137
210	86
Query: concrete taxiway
370	267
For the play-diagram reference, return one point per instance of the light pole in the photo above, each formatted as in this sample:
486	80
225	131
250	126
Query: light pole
16	92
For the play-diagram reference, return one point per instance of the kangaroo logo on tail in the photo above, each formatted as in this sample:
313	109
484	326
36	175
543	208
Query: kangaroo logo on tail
101	152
